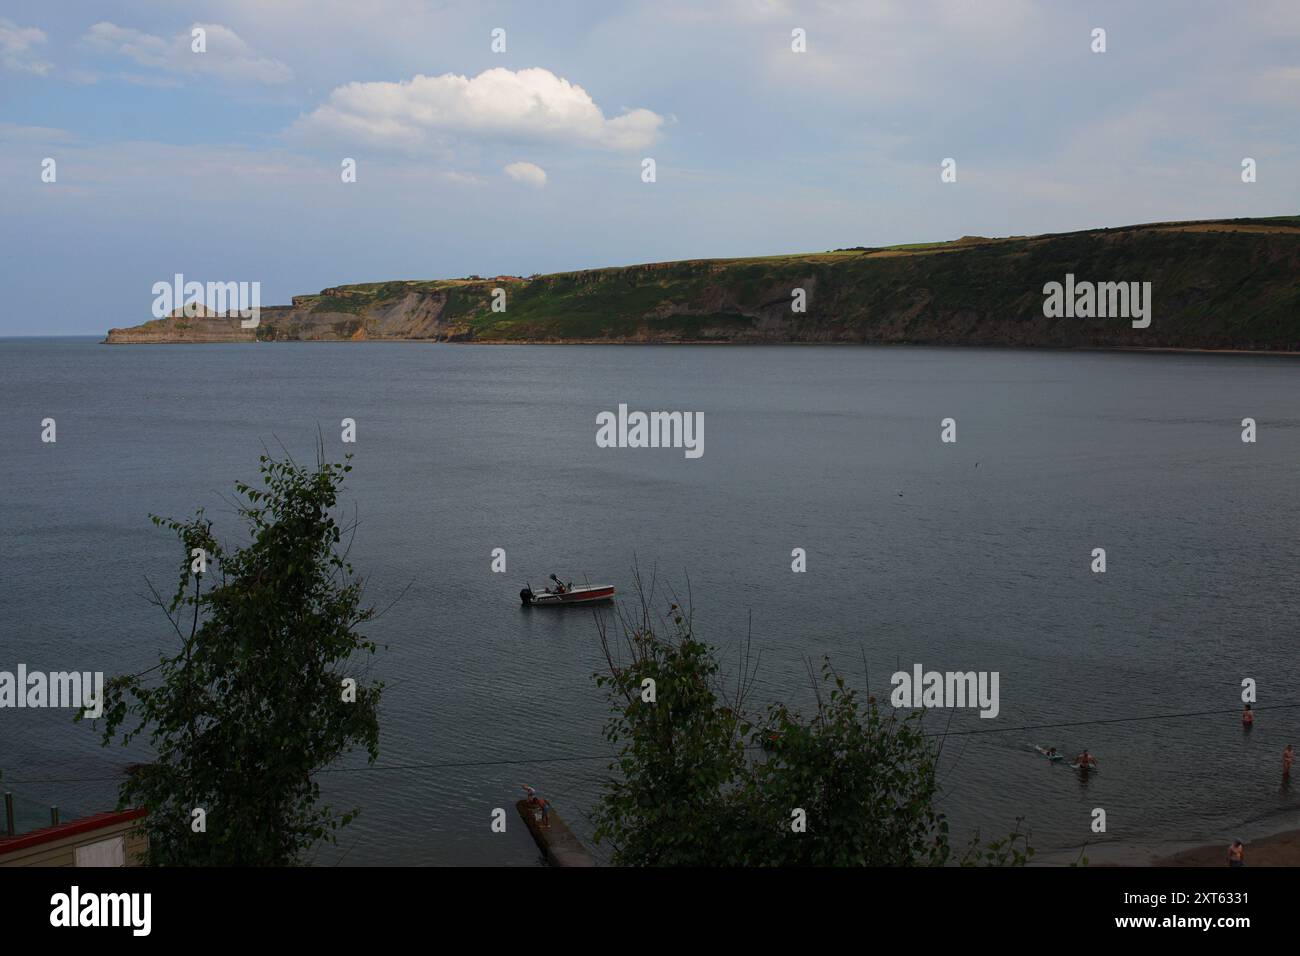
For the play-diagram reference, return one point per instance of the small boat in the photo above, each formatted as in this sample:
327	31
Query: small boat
561	593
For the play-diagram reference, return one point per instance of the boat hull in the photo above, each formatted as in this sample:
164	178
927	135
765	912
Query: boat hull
583	595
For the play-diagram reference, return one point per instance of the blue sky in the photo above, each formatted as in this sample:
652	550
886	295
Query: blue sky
225	165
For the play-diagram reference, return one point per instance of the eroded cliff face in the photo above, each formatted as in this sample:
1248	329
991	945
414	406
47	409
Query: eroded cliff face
332	316
176	331
1219	285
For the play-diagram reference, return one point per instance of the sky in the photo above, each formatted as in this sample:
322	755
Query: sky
227	164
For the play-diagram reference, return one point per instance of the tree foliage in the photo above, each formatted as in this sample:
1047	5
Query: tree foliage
252	704
698	783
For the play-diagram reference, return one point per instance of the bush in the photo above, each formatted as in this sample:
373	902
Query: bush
692	787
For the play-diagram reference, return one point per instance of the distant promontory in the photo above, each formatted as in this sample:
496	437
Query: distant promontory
1217	284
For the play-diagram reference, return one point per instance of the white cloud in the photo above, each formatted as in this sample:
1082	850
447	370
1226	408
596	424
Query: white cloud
227	55
16	133
17	48
530	174
457	178
531	104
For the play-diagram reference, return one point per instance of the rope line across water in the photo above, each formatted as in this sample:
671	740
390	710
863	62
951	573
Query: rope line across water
453	765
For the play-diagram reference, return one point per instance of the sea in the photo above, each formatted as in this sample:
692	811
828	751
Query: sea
978	554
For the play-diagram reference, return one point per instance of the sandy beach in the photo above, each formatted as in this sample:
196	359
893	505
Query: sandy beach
1281	849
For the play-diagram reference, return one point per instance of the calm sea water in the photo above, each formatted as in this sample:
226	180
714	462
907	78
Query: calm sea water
967	556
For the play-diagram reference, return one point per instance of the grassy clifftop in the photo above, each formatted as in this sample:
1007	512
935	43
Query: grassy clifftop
1229	284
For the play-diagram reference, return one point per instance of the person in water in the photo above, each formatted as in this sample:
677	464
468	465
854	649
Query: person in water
1247	718
1085	760
1236	854
537	801
1288	756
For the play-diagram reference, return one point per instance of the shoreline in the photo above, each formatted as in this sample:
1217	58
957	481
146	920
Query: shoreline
1274	848
1277	849
1139	349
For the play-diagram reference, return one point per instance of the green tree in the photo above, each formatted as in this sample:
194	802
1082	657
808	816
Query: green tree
697	783
865	781
671	804
253	703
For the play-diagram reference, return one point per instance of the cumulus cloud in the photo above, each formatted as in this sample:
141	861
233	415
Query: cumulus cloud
530	174
17	48
530	104
227	55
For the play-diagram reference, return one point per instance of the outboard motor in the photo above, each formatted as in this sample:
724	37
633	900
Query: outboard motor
526	596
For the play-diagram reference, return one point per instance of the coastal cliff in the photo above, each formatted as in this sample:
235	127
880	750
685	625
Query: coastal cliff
1222	284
